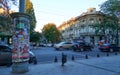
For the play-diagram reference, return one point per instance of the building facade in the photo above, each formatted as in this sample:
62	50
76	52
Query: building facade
81	28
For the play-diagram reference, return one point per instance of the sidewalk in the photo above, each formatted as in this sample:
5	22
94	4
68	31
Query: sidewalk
94	66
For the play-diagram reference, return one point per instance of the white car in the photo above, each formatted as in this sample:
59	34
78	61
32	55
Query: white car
63	45
49	45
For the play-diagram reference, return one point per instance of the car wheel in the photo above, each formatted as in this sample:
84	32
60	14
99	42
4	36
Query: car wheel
61	48
111	50
56	48
30	61
35	61
9	64
90	49
74	49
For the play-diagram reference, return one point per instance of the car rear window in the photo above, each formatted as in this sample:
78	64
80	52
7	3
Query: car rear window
106	45
5	48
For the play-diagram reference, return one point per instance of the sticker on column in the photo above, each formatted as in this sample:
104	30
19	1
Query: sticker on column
20	25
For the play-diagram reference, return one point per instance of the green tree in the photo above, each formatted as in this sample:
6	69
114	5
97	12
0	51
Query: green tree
6	25
35	37
7	3
107	27
108	23
111	7
51	33
30	11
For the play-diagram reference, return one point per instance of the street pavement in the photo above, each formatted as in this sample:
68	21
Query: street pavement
109	65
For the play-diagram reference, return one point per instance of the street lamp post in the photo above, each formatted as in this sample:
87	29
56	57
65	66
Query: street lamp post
117	35
117	14
22	6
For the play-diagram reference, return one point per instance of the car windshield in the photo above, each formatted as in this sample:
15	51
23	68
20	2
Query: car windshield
61	43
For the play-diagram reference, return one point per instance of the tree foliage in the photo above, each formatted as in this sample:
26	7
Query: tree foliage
35	37
51	33
111	7
108	23
8	3
30	11
6	24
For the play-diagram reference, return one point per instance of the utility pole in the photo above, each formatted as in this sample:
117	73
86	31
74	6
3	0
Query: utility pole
22	6
117	34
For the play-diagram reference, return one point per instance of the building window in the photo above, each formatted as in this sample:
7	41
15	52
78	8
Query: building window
83	20
0	27
91	20
100	19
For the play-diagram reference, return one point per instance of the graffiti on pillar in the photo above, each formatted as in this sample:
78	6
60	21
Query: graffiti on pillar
20	42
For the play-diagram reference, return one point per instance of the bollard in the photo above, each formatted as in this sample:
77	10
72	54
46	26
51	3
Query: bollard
55	60
64	59
98	55
73	58
115	53
107	54
86	56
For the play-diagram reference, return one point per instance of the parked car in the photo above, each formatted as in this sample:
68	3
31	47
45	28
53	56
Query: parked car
109	47
49	44
82	46
63	45
6	56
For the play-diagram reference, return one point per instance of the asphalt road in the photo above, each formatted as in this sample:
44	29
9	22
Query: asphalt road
48	54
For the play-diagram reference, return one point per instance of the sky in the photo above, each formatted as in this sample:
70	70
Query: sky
58	11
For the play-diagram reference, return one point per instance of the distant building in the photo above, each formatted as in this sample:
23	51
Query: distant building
81	28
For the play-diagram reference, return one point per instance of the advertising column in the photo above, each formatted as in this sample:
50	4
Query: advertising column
20	54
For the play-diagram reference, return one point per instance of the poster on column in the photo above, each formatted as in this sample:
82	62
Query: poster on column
20	43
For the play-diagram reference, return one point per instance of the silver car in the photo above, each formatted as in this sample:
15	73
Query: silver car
63	45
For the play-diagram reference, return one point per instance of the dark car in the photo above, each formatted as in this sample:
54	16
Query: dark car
109	47
82	46
6	56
